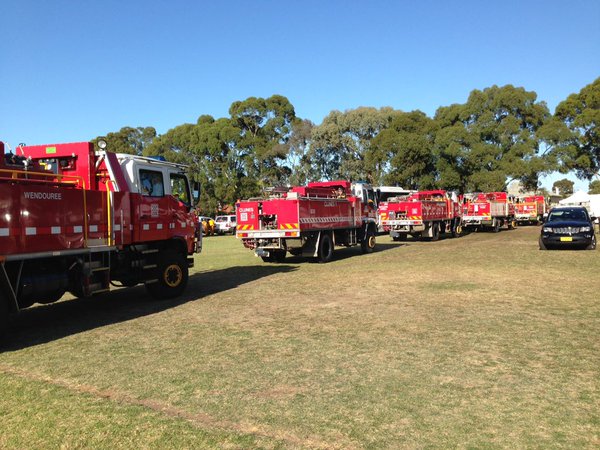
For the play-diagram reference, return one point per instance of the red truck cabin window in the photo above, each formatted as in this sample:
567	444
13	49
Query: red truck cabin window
151	183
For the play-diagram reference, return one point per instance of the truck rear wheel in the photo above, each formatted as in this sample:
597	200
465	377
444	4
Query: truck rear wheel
277	256
172	274
4	311
435	231
325	251
496	226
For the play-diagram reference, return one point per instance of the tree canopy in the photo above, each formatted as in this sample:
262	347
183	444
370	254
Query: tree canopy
564	187
500	134
579	148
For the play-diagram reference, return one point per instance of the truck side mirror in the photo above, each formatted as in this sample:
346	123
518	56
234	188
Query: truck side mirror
195	192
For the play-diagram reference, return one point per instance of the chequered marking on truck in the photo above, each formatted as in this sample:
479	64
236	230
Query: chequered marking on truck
77	229
326	219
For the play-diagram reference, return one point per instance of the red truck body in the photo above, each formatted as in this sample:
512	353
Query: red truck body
488	210
421	214
530	209
301	218
74	219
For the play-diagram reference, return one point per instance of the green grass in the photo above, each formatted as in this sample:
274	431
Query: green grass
482	341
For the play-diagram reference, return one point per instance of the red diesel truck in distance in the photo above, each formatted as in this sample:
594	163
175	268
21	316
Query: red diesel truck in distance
530	210
308	220
423	214
76	219
490	211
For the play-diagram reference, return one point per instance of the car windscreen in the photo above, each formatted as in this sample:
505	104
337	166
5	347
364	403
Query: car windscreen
568	214
221	219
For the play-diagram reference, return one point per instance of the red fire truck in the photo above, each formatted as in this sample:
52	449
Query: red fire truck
530	209
423	214
382	194
308	220
76	219
490	210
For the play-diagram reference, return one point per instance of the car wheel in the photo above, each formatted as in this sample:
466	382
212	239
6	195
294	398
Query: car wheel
592	245
542	245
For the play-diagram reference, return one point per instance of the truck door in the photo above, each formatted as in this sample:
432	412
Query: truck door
153	211
180	203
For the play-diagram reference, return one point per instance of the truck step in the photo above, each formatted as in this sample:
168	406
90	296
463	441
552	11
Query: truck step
151	281
97	287
149	250
150	266
100	291
92	264
100	269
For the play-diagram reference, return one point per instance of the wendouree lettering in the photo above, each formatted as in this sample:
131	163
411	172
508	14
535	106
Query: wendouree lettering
43	195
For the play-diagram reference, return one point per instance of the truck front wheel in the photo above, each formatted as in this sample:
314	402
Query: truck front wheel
172	273
325	252
368	244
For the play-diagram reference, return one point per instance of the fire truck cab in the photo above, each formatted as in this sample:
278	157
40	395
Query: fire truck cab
78	219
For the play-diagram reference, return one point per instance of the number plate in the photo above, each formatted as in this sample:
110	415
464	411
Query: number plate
566	239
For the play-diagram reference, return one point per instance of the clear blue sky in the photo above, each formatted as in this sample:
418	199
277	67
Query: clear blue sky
74	70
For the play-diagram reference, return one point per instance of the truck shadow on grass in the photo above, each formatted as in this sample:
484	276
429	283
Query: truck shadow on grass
339	254
46	323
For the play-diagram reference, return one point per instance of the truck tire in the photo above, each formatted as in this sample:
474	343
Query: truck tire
456	230
368	243
172	274
4	311
435	231
277	256
325	251
496	226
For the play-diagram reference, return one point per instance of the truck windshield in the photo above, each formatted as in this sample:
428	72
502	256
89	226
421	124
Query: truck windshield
180	188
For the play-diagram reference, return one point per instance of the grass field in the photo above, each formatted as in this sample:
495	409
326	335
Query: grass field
478	342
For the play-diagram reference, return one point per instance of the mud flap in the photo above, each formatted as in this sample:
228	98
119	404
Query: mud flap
7	288
311	248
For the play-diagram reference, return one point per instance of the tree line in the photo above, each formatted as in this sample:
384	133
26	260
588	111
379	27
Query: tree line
499	135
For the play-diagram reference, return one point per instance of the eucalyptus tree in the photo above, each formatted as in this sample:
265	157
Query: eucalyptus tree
403	152
265	125
341	143
492	139
129	140
578	148
301	169
564	187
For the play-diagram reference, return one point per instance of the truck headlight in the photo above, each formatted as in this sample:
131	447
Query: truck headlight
585	229
547	230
